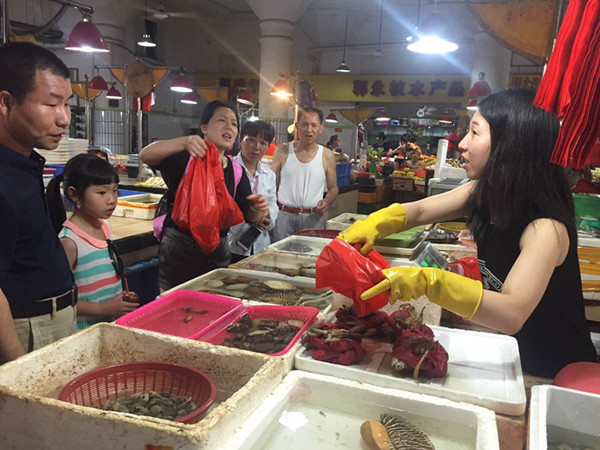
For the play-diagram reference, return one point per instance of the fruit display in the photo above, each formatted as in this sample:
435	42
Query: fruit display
406	172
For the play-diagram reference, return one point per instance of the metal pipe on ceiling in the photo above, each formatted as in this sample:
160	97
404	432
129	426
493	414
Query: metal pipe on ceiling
76	5
4	12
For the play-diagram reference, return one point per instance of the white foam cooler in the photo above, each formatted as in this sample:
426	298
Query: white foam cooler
31	416
563	416
311	411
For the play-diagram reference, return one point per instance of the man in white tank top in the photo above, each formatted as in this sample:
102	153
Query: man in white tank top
303	169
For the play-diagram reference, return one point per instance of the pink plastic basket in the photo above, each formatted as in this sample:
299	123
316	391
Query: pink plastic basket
165	315
99	386
308	314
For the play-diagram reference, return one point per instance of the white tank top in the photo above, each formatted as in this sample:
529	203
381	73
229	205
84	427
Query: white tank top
302	184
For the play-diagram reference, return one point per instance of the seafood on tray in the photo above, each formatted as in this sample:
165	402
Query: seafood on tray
414	350
262	335
394	432
269	291
154	404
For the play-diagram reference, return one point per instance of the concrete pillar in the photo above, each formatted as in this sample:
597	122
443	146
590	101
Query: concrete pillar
493	59
277	25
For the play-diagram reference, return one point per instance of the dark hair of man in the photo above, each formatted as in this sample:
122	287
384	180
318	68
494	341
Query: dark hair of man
20	62
332	139
211	108
518	183
258	128
310	110
80	172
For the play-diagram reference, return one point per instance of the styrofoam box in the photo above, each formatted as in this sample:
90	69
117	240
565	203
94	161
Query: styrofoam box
291	263
558	415
199	283
343	221
304	245
483	369
399	251
32	417
139	206
317	411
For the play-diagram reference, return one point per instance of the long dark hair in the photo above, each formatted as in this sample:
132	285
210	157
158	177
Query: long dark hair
80	172
210	109
518	183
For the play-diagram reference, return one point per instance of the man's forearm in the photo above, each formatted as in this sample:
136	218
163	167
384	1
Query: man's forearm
332	195
10	346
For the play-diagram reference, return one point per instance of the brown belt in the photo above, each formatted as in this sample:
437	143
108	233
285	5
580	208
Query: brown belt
296	210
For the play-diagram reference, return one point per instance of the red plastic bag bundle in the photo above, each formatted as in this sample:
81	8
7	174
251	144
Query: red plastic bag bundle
202	203
346	271
342	351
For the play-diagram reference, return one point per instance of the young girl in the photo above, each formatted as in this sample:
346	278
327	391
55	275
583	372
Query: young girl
90	183
521	214
180	258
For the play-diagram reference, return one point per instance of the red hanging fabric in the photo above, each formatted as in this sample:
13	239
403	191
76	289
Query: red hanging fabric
570	86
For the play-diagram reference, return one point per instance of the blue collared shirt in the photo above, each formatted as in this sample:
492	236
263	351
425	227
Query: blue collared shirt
33	264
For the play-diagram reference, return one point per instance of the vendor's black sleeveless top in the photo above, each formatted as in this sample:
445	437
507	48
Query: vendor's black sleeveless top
556	333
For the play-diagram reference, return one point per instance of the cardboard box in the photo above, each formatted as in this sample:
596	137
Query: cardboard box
420	186
402	183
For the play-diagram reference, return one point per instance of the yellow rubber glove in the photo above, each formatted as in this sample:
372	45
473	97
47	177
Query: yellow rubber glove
456	293
380	224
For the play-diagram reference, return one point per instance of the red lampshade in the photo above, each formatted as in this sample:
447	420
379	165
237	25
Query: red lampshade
85	37
331	118
382	116
480	88
472	105
245	98
282	88
98	83
113	93
181	84
189	99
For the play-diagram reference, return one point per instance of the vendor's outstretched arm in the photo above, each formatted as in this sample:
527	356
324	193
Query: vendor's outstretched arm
544	246
396	217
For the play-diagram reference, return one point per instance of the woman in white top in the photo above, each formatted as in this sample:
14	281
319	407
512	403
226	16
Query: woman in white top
255	139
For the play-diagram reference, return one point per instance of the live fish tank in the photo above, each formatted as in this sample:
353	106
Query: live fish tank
285	263
305	245
264	287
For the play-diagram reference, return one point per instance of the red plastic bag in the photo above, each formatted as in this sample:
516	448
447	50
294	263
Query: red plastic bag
202	203
345	270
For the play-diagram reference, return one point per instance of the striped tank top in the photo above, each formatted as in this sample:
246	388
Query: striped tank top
94	274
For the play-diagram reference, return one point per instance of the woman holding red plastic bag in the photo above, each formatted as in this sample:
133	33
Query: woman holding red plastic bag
180	255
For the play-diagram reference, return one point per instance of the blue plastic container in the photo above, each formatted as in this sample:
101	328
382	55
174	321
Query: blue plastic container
343	180
59	168
342	169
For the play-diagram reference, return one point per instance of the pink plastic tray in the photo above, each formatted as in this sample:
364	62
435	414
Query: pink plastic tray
166	315
308	314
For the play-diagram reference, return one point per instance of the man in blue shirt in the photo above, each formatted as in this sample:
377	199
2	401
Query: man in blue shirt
37	294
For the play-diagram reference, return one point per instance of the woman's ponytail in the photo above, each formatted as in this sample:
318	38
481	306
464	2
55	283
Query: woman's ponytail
56	206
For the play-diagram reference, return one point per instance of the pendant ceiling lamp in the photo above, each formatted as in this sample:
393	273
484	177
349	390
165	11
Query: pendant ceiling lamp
472	105
331	118
245	98
480	88
343	67
98	83
382	116
146	40
189	99
85	37
433	35
282	88
181	83
113	93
